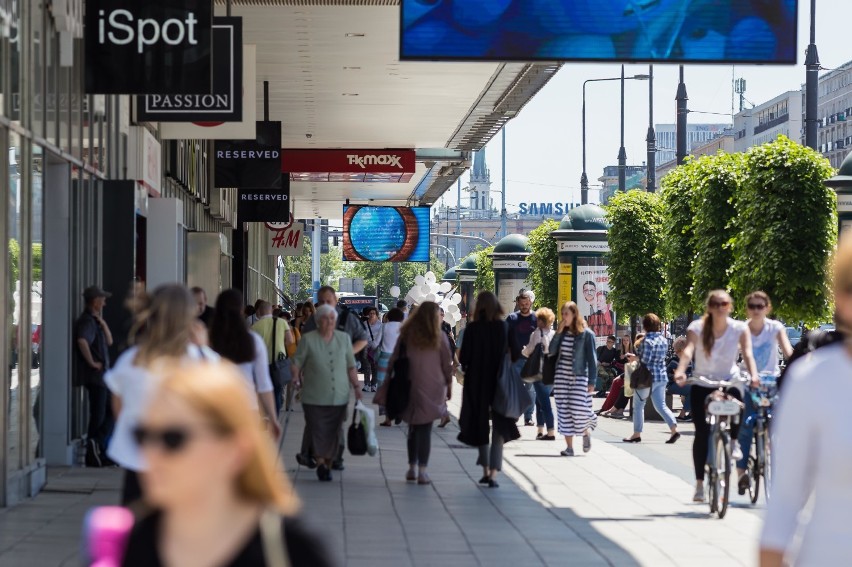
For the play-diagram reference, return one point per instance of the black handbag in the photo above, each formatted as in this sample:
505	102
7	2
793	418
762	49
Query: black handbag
531	372
511	399
356	438
641	377
548	370
279	370
399	387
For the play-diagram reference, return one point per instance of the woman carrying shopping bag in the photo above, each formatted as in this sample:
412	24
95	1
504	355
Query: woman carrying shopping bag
541	337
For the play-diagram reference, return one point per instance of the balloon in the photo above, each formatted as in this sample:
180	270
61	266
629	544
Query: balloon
425	289
394	291
434	287
532	295
452	308
457	316
430	277
449	319
445	287
456	298
419	280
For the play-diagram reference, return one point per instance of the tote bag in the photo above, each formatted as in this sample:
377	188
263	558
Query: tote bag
399	387
533	367
511	399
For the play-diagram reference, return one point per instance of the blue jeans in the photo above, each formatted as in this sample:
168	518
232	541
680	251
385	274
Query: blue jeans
518	365
685	390
657	392
747	430
544	409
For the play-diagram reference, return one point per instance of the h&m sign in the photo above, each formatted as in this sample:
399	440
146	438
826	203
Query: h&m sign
287	241
150	47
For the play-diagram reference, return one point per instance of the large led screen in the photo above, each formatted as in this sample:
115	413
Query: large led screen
385	234
683	31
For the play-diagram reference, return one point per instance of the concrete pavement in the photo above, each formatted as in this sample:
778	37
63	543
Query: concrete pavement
619	505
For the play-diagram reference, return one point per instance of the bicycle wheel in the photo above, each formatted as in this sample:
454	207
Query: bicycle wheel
722	450
755	464
766	469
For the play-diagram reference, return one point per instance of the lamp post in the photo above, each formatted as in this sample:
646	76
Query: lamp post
651	138
812	85
584	179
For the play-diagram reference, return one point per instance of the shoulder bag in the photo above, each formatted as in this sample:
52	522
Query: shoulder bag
641	376
356	438
399	387
532	370
279	370
511	398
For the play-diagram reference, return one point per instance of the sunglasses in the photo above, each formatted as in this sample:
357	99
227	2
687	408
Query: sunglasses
714	304
757	306
170	439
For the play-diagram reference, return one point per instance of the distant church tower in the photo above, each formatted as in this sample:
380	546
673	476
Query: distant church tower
481	203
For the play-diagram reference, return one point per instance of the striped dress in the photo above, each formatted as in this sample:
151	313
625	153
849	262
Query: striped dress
573	401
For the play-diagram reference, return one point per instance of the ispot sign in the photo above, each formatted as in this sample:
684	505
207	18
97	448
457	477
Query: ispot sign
150	47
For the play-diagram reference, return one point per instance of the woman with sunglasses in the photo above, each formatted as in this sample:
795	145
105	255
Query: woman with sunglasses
811	463
767	336
215	494
165	327
714	341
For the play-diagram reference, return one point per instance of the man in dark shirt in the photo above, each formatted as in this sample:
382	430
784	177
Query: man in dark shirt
205	312
522	323
607	355
93	339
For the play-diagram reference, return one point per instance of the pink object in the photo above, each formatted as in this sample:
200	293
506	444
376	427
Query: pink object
106	531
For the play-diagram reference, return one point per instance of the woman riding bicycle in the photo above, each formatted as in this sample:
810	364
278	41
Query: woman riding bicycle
767	336
714	341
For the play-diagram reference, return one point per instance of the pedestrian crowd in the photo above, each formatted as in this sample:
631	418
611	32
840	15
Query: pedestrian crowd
203	388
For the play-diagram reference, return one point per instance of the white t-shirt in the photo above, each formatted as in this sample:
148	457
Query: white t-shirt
135	386
256	372
390	334
722	362
764	345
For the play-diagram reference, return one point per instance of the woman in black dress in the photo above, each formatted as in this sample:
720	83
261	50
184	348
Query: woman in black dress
486	340
217	497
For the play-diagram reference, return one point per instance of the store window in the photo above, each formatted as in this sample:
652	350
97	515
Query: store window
36	301
14	455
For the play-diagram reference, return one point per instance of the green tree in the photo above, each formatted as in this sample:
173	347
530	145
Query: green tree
38	254
787	230
14	260
381	273
635	268
715	181
484	270
544	264
677	251
332	268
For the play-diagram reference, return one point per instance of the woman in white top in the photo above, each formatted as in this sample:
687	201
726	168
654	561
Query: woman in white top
543	408
813	459
164	329
714	341
232	339
767	336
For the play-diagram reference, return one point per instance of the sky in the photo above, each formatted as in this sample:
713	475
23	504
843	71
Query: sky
543	143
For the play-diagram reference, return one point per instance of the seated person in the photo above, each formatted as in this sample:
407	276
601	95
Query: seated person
607	355
616	401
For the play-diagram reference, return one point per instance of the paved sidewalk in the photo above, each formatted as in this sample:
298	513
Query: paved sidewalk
620	505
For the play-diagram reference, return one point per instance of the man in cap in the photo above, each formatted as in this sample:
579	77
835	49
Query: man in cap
93	339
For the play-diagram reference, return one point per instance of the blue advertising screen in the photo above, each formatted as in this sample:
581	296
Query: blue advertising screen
385	234
678	31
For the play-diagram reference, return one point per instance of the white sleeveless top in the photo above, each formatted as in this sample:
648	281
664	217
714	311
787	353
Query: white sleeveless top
722	362
764	345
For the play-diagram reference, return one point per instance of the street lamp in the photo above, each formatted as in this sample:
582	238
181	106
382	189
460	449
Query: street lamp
622	153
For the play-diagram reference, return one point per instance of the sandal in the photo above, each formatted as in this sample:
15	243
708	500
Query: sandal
410	476
424	479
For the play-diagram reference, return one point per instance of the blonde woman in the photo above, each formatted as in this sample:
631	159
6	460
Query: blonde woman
576	371
241	511
165	328
812	460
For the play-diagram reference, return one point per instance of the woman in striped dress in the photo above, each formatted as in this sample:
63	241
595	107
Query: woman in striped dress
576	371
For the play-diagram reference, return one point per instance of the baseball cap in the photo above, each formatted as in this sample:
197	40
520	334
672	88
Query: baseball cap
94	292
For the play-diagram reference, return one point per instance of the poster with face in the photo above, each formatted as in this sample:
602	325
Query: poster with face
593	297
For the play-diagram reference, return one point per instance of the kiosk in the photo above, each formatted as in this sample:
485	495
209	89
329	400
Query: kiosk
466	272
510	269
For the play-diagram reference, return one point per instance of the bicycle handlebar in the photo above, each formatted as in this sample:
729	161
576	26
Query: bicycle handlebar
711	383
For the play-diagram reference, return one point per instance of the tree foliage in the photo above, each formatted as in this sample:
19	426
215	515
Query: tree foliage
484	270
677	249
332	268
715	181
787	230
381	273
635	268
544	264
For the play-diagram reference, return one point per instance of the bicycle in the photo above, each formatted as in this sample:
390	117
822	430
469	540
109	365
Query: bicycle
760	459
720	408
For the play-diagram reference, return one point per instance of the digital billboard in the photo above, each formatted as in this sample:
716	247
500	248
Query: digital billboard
385	234
678	31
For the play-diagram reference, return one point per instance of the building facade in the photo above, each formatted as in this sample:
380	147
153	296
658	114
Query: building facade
635	179
765	122
696	134
90	198
723	143
834	108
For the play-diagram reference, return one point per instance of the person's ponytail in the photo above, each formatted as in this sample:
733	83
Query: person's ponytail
707	338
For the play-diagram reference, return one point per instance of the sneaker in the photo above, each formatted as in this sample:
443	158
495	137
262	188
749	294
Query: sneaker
365	389
587	442
372	388
699	494
567	452
93	454
736	452
744	483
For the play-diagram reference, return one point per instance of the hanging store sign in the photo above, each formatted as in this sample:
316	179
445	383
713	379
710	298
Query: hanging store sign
223	103
243	129
264	205
251	163
144	160
369	166
288	241
150	47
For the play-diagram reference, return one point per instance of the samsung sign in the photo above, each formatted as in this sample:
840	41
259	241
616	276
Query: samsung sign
150	47
546	209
